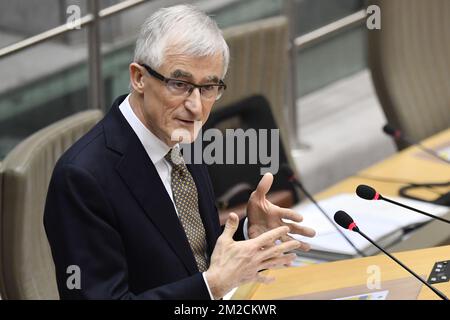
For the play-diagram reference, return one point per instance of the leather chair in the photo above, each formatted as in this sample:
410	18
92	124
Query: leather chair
26	264
258	66
409	60
258	69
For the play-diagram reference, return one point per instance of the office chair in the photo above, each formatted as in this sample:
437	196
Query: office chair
409	60
26	264
233	183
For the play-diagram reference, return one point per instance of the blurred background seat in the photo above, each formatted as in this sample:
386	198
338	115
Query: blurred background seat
26	264
255	98
409	60
258	66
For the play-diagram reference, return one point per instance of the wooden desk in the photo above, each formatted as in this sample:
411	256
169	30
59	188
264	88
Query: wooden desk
291	282
412	165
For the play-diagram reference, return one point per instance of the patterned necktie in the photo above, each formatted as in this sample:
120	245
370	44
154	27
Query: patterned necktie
186	200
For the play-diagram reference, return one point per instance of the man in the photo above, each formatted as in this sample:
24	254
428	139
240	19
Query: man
129	214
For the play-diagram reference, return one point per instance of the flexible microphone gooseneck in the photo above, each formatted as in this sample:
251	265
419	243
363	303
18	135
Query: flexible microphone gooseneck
368	193
346	222
398	135
293	179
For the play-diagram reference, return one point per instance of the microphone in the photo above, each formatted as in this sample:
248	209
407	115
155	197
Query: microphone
346	222
398	135
293	179
369	193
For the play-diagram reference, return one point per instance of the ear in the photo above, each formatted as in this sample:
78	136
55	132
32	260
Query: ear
137	77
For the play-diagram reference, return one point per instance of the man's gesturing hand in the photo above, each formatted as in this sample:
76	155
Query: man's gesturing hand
264	215
234	263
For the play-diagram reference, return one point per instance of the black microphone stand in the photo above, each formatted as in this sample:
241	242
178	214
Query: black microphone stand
413	209
311	198
436	291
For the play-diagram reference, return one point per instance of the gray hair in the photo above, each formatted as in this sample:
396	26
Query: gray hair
183	27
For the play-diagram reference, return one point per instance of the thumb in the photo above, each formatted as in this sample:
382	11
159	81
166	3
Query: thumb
264	185
231	225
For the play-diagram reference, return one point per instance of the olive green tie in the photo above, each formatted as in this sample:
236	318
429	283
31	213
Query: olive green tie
186	200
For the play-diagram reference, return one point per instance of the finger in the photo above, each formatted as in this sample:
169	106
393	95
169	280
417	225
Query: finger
231	225
286	238
268	238
285	260
269	245
305	246
301	230
286	213
279	250
264	185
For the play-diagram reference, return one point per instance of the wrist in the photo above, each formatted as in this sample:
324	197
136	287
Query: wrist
215	285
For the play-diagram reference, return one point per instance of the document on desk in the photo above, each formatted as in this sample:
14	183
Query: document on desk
380	295
381	221
444	152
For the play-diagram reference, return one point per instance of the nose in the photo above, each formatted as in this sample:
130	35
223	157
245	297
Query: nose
194	102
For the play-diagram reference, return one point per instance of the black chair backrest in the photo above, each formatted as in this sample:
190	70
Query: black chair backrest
250	113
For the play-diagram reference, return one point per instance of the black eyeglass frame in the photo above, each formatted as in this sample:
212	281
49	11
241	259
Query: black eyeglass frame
159	76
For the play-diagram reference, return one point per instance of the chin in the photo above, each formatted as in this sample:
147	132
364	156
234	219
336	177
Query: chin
183	135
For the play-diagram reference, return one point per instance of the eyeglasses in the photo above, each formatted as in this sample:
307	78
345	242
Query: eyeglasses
210	91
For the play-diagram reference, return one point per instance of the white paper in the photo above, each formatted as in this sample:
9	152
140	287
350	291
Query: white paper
376	219
380	295
444	152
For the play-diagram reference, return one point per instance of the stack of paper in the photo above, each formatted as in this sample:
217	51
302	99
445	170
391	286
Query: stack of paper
381	221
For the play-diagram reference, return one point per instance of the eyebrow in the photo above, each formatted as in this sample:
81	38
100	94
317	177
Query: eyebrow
213	79
181	74
178	73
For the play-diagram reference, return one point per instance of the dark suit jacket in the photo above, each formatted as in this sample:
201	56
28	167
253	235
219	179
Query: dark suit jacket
108	212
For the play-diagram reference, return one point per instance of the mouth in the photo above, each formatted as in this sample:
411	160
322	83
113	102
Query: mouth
186	122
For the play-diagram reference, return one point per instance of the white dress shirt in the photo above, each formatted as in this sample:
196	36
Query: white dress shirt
156	150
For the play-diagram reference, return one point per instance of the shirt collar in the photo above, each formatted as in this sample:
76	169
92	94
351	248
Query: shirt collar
155	148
